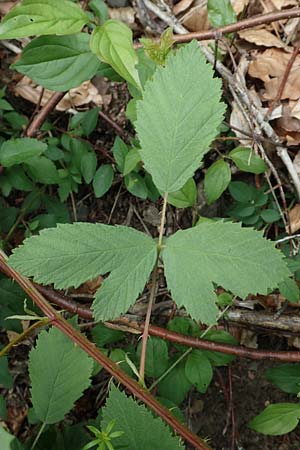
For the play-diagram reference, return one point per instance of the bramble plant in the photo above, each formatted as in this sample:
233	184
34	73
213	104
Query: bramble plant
174	133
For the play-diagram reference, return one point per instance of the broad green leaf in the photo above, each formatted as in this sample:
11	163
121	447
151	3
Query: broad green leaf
175	136
38	17
43	170
17	151
100	9
218	358
6	380
142	430
88	166
175	385
242	192
216	180
198	370
132	158
18	178
286	377
186	196
69	438
72	254
156	357
172	407
58	63
277	419
59	372
246	160
220	13
222	253
3	408
290	290
8	441
103	180
84	123
270	215
118	356
136	185
112	43
11	303
103	335
120	150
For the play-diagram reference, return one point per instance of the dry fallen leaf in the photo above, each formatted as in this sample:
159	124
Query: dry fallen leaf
196	19
181	6
80	96
239	5
294	216
126	14
261	37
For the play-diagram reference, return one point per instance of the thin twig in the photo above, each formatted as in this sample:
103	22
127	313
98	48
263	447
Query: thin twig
112	123
59	322
43	113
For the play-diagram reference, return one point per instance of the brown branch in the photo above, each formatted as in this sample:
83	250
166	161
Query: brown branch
238	26
242	352
90	348
43	114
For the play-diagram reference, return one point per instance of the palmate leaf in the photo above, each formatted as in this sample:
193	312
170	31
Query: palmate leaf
40	17
58	63
59	372
71	254
178	117
141	429
237	259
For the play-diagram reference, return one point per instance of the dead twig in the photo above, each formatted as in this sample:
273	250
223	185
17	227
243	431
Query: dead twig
42	115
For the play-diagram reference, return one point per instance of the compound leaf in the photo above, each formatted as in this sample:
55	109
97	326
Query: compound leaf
74	253
112	43
33	17
141	429
59	372
175	133
277	419
58	63
237	259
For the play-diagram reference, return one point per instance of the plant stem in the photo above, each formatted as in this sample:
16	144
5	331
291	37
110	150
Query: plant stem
38	436
145	334
22	336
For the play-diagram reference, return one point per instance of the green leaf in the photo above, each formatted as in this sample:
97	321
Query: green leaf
84	123
136	185
58	63
270	215
6	380
218	358
198	370
175	137
175	385
277	419
32	17
216	180
141	429
286	377
242	192
220	13
185	197
88	166
43	170
59	372
17	151
8	441
120	150
72	254
3	408
246	160
112	43
132	158
103	180
103	335
223	253
18	178
156	357
290	290
118	356
11	303
172	407
100	9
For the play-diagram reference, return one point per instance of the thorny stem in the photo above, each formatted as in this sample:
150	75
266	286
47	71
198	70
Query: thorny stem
100	357
23	335
152	292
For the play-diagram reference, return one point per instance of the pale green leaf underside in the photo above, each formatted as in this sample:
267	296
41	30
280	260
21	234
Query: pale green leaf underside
59	372
238	259
277	419
74	253
142	431
58	63
38	17
178	117
112	43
